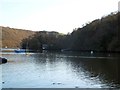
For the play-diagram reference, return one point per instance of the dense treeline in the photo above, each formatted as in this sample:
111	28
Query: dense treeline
44	40
99	35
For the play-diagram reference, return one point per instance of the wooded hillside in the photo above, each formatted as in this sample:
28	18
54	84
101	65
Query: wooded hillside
99	35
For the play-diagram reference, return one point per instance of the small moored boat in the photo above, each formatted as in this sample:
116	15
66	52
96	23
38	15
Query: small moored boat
3	60
20	51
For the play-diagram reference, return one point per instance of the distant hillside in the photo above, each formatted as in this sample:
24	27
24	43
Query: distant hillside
12	37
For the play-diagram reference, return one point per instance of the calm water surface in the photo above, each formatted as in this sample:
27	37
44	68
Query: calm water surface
61	70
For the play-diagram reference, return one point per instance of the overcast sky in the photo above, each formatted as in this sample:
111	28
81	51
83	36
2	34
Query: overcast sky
53	15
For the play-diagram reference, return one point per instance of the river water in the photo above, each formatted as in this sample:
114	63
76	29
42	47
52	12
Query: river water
61	70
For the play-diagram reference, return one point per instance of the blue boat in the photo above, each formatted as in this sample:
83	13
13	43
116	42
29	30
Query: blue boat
20	51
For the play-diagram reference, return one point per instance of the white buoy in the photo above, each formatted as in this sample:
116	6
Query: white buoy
91	52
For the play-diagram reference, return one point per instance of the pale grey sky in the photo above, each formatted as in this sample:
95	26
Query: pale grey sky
53	15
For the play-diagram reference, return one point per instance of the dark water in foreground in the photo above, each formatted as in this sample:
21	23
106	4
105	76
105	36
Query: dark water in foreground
61	70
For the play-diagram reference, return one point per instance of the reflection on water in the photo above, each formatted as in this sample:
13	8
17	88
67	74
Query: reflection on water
66	70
